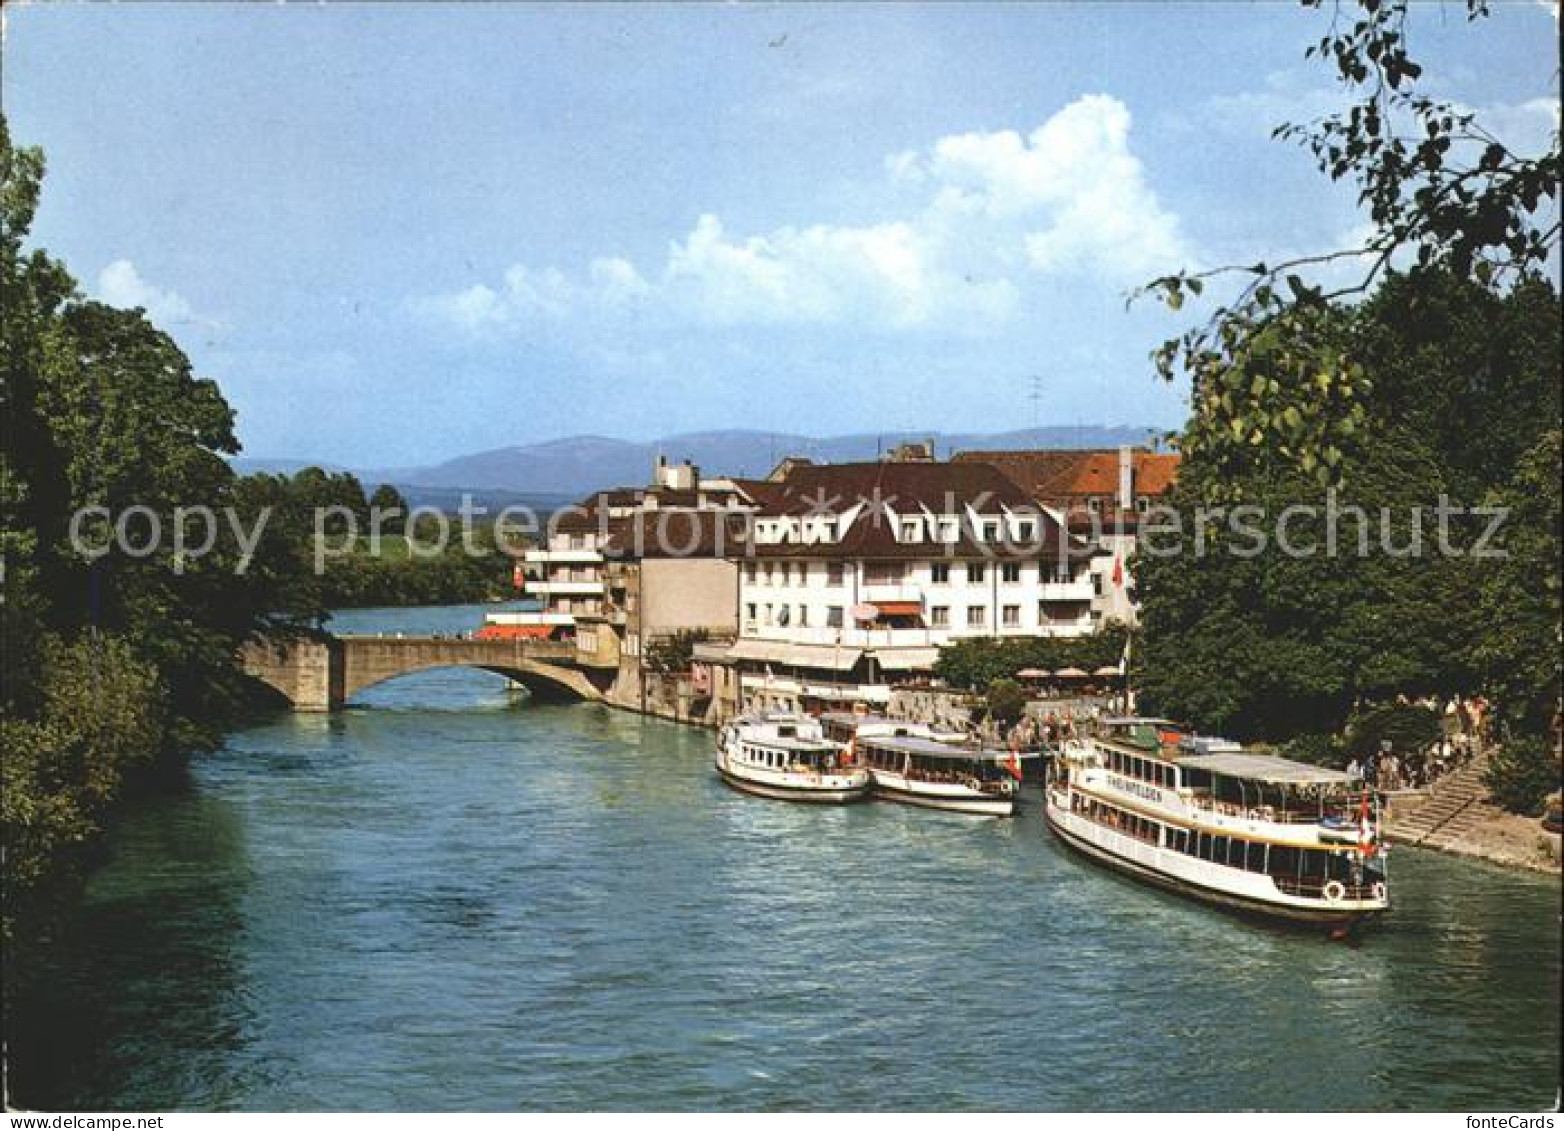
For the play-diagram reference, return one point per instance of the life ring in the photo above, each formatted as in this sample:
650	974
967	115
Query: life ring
1333	891
1379	890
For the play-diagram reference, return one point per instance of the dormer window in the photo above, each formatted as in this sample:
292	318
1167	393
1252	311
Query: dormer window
909	531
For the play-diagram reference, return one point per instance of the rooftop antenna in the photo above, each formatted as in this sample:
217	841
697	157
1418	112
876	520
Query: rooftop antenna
1036	397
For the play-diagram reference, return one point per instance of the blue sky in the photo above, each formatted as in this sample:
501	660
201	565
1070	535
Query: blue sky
399	233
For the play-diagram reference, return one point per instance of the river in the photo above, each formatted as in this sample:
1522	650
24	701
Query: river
449	898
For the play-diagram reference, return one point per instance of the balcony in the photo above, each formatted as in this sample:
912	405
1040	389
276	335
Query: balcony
850	637
834	692
529	618
1066	590
554	587
563	557
894	592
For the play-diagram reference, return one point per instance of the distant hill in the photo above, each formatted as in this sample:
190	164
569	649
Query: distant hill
557	471
578	465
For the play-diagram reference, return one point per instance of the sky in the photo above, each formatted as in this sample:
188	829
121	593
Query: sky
399	233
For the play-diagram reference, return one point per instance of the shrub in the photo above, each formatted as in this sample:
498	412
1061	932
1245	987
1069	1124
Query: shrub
1522	774
1408	727
1006	701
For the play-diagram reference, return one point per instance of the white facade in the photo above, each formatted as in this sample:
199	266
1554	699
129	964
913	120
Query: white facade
813	601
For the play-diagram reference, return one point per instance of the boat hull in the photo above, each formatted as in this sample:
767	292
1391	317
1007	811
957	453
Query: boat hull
1332	918
778	791
969	801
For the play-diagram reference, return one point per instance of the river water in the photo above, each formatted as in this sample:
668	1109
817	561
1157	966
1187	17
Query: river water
449	898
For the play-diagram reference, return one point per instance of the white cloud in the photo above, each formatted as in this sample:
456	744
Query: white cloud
998	210
120	284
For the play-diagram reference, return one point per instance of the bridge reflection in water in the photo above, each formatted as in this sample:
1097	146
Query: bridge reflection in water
322	673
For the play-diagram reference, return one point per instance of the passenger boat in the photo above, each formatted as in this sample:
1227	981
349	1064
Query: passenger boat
917	770
787	756
847	726
1247	832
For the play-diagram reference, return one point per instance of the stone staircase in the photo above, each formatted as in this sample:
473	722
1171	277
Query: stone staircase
1455	807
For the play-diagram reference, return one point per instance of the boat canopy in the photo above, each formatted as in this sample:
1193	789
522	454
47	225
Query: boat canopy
928	748
1266	768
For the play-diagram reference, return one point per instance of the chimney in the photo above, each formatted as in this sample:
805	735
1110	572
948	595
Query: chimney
1126	478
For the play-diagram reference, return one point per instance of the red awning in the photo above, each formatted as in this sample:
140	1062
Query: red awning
900	608
515	632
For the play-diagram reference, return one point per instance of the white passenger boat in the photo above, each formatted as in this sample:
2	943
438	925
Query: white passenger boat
917	770
1248	832
787	756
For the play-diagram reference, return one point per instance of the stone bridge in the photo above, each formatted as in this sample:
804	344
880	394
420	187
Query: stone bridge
321	674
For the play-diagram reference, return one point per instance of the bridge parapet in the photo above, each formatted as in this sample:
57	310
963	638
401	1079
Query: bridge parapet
321	675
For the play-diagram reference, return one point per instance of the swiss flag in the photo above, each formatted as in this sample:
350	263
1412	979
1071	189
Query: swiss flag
1118	573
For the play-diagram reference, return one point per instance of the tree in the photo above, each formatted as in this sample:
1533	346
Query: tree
1440	191
117	662
672	655
1276	646
392	507
1006	701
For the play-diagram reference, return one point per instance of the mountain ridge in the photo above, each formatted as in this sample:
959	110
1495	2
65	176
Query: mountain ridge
578	465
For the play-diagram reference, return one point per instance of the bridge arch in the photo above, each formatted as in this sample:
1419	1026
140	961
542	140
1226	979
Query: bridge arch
544	682
322	673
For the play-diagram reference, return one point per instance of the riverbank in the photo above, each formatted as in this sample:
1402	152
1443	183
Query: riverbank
1457	816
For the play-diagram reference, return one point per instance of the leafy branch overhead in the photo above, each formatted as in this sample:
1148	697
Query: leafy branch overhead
1442	194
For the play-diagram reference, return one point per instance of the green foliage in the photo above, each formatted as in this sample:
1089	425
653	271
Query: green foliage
383	571
386	500
1316	749
1006	701
1269	380
974	663
115	663
1407	727
100	718
1263	645
672	655
1522	774
1518	655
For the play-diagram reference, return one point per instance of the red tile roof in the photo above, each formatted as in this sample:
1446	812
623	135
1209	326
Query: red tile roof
1057	477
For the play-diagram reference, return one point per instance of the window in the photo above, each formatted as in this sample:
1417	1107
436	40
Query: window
833	616
976	572
833	573
803	616
749	572
749	612
1010	573
977	616
1012	616
1142	503
939	616
1097	584
909	530
787	573
939	573
991	531
769	569
1094	505
1024	532
803	573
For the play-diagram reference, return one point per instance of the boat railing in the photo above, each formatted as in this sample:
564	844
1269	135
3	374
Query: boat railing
1272	814
1313	887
